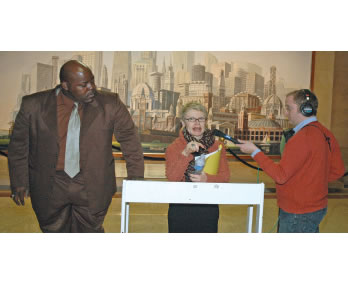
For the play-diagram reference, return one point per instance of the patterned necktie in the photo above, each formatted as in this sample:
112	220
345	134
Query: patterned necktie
72	151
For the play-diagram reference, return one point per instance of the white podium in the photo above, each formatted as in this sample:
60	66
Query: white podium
195	193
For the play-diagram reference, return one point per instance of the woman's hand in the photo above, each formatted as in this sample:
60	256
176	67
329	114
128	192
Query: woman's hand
198	177
192	147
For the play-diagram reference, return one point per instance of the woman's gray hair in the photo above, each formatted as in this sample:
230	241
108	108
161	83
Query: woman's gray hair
193	106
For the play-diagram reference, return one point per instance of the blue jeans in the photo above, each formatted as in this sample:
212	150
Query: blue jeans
300	223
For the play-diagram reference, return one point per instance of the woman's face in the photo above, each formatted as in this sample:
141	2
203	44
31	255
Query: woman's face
194	121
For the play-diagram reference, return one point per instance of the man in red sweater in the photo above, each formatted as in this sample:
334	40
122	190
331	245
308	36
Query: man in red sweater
311	159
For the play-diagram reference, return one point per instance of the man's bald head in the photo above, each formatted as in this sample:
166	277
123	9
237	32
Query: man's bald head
77	81
70	68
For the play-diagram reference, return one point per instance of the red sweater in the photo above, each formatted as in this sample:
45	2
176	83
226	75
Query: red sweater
176	163
306	167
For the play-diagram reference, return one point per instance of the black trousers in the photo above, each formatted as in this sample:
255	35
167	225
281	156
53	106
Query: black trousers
69	211
193	218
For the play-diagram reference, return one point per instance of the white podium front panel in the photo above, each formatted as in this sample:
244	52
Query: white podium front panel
191	192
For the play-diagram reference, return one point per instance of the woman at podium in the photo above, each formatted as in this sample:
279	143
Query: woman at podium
183	159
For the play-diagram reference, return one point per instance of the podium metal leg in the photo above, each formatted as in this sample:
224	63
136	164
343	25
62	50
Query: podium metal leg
123	217
250	219
259	218
127	216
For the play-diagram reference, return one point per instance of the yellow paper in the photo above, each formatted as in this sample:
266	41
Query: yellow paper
212	162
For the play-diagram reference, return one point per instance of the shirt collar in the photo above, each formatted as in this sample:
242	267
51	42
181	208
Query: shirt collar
304	123
57	90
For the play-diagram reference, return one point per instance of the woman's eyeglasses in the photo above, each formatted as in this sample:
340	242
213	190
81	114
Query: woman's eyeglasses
192	120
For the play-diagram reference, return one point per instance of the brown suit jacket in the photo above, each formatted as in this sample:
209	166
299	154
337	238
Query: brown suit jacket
33	149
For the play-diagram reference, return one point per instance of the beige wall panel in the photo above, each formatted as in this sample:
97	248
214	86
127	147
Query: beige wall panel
339	117
323	85
331	87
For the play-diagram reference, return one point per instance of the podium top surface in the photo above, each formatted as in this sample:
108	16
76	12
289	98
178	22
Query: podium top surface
187	192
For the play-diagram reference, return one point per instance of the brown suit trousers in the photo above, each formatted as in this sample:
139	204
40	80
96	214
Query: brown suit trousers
69	210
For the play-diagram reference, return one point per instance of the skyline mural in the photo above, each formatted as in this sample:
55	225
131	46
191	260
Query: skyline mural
243	91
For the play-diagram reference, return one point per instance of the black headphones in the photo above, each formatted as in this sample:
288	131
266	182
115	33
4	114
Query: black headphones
306	107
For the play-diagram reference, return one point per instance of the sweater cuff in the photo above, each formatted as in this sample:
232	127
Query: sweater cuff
259	157
256	151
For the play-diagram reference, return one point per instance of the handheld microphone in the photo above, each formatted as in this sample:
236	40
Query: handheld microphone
222	135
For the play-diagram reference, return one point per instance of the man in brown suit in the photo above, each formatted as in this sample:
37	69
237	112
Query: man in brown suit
38	152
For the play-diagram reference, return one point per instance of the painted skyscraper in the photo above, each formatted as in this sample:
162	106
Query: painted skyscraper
183	60
142	68
121	67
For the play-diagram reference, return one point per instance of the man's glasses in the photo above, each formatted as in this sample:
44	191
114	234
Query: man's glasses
192	120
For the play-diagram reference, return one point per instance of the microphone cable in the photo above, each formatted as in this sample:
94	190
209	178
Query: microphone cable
243	161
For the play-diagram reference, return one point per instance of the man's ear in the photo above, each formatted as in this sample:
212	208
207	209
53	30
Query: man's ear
64	85
182	124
